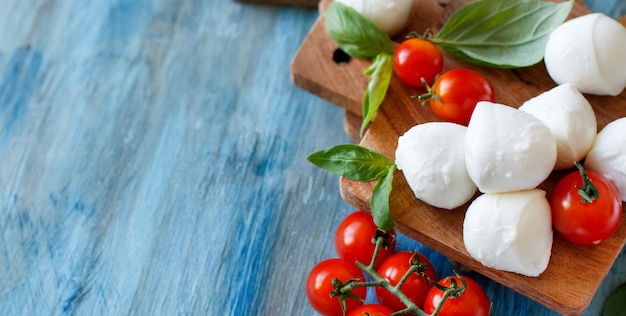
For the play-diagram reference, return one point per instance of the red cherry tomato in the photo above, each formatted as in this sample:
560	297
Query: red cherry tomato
353	239
371	310
585	223
415	287
473	301
417	58
319	286
455	93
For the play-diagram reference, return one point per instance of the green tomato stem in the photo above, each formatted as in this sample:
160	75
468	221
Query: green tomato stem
588	191
380	242
411	308
445	296
395	290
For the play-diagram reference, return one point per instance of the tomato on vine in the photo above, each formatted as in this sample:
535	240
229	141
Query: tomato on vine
586	207
417	59
371	310
322	287
415	286
455	93
468	298
354	239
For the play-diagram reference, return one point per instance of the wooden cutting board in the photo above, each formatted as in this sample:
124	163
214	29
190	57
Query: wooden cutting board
574	273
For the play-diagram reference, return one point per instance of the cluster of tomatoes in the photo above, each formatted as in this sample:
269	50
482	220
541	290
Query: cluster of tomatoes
453	94
355	241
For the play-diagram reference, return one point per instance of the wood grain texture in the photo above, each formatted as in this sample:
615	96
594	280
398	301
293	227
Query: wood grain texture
442	230
153	159
295	3
154	162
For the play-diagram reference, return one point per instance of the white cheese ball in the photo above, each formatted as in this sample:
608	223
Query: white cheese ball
510	231
432	159
391	16
570	118
507	149
608	154
589	52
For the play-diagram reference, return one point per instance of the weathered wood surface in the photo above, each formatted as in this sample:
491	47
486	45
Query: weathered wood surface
295	3
153	159
153	162
442	230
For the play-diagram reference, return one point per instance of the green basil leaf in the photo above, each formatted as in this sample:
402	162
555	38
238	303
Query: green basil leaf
380	200
379	73
353	162
502	33
355	34
615	303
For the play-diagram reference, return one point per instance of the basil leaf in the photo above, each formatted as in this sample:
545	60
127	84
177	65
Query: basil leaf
502	33
615	303
379	73
353	162
380	200
355	34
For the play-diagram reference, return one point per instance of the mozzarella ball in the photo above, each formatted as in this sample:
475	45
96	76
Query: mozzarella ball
570	118
432	159
608	154
588	52
510	231
507	149
391	16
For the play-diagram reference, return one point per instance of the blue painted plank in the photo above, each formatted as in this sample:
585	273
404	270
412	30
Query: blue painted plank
612	8
154	162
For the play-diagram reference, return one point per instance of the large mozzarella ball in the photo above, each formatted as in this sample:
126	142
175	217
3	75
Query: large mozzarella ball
510	231
432	159
507	149
589	52
608	154
391	16
570	118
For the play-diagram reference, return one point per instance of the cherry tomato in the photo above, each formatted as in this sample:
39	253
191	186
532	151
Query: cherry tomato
371	310
455	93
353	239
319	286
417	58
416	285
585	223
473	301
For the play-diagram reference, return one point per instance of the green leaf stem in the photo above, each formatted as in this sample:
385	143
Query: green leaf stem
379	76
362	164
380	200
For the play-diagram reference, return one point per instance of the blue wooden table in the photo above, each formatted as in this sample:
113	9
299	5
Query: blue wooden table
153	162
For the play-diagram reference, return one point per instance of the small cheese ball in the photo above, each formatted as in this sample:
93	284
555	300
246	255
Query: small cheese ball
391	16
570	118
510	231
432	159
507	149
608	154
588	52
